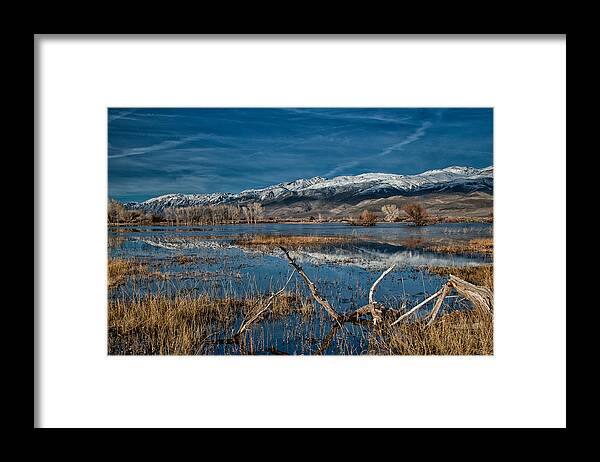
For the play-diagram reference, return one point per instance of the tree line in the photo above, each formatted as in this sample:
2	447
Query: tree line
193	215
250	213
214	214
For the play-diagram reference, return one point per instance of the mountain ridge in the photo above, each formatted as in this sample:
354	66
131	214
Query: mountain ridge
352	188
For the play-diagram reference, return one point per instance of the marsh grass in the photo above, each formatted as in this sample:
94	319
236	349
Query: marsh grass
120	270
481	245
413	242
465	332
482	275
159	324
461	219
454	246
185	259
185	324
292	242
116	241
145	321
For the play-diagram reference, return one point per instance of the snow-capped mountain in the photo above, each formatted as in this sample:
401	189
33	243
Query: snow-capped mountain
341	188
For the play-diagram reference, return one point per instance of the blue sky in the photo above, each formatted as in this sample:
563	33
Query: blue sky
155	151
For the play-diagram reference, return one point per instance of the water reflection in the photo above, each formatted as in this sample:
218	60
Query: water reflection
202	260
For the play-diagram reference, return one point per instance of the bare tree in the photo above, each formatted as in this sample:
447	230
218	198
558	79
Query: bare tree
247	214
169	214
368	218
234	213
391	211
416	213
257	211
116	211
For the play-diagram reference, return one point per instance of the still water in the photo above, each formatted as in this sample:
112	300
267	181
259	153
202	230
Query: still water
343	272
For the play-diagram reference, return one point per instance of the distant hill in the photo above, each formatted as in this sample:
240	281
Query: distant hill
450	191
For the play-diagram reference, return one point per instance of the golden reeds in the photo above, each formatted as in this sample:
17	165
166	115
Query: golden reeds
482	275
465	332
272	241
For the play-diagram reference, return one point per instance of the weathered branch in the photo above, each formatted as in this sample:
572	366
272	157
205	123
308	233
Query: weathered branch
246	324
373	308
375	313
313	289
412	310
438	303
481	297
365	309
327	340
376	283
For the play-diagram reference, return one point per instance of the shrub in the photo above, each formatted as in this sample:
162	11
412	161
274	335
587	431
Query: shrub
391	211
368	218
416	213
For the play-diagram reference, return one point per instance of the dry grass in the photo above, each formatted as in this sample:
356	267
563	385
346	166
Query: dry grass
119	270
185	259
482	275
481	245
460	219
413	242
115	241
192	325
183	325
291	242
165	325
468	332
484	245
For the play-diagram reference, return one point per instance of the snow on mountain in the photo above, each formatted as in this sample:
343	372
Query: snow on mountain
366	185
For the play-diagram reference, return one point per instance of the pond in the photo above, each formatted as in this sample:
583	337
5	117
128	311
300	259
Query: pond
210	259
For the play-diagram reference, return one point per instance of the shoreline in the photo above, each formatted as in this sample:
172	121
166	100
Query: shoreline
450	220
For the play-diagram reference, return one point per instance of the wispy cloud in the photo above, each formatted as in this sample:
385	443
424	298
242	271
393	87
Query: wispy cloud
201	150
356	117
341	168
416	135
125	114
154	114
120	115
163	145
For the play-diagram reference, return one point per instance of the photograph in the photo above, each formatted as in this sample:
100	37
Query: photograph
300	231
387	209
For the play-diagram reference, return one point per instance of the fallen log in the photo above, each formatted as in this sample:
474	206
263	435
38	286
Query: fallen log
438	303
415	308
313	289
376	313
481	297
327	340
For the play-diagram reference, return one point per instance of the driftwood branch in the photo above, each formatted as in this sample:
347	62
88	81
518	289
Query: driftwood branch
376	283
327	340
415	308
246	324
481	297
438	303
365	309
373	307
313	289
376	313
